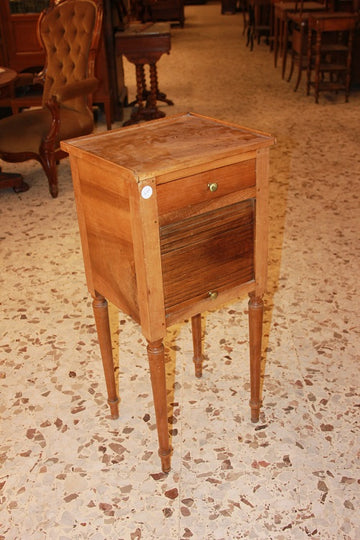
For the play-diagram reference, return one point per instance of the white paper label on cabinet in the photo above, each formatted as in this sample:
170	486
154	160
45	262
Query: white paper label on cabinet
146	192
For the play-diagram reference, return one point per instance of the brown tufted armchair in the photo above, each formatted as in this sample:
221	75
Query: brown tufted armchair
69	31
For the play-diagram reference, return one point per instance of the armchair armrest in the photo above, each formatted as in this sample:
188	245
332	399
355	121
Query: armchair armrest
61	95
73	90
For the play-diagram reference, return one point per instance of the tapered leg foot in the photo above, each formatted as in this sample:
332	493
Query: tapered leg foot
165	461
156	358
101	315
256	310
196	335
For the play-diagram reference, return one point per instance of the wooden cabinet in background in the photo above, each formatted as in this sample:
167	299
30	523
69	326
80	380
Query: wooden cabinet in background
169	10
161	10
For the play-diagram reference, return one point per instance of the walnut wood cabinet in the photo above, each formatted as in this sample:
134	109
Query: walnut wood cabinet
173	222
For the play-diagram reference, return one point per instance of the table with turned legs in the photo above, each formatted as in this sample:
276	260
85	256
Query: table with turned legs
173	220
144	44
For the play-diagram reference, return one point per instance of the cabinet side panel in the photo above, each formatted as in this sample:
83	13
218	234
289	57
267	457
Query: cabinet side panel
109	260
74	161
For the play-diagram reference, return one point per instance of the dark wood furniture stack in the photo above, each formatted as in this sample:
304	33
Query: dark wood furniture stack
173	220
292	38
228	7
297	26
281	11
20	50
296	31
329	55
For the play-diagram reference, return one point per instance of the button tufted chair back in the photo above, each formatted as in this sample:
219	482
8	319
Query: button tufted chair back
69	31
66	33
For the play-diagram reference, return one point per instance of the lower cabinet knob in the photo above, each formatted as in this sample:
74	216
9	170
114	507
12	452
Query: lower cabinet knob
213	186
213	295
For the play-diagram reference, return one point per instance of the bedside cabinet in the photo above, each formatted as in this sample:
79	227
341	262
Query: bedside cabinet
173	217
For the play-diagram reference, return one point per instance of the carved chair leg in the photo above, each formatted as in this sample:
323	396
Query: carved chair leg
256	310
299	74
291	68
196	336
101	314
48	162
156	358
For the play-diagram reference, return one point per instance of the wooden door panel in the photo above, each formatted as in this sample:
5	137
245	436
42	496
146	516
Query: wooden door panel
207	254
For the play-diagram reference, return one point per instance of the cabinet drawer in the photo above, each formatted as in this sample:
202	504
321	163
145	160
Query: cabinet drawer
207	254
205	186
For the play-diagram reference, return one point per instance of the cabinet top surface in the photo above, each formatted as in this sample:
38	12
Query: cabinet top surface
173	143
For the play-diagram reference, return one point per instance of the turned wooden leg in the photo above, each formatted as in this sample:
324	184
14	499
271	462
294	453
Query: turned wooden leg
101	315
256	310
140	84
143	82
152	98
160	96
156	357
196	336
153	86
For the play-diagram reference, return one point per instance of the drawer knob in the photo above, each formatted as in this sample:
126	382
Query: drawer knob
212	186
213	295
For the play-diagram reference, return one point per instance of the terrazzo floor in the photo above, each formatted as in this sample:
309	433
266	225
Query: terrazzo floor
70	472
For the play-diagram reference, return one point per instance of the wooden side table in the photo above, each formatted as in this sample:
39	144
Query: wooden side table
144	44
173	220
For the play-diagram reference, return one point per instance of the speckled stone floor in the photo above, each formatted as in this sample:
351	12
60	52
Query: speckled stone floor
70	472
